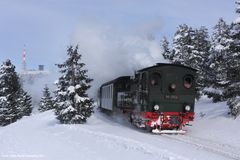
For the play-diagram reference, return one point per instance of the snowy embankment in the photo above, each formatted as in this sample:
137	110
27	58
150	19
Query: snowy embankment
212	136
213	122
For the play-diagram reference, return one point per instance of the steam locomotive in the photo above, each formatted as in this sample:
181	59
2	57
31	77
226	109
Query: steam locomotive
159	98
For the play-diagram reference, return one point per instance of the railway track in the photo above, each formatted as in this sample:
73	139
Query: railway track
225	150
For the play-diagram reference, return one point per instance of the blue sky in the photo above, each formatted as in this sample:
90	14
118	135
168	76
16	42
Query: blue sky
47	27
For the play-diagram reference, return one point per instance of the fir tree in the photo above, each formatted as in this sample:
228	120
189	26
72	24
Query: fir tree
200	48
233	91
234	106
199	55
9	87
14	101
46	102
191	47
166	52
217	66
72	102
25	103
182	45
238	7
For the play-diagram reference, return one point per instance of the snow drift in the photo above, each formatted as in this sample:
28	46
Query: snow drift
40	136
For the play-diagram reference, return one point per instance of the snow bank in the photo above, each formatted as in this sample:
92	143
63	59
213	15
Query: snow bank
213	122
41	137
212	136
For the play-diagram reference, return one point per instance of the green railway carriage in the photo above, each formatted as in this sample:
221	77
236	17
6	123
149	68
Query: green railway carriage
112	93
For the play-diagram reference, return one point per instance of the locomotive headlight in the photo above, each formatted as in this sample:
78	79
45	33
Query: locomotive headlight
187	108
156	107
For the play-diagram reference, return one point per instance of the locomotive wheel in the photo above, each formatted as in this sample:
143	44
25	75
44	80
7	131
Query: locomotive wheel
130	119
149	129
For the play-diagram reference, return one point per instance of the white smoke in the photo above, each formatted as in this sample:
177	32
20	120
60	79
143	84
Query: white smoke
34	85
110	52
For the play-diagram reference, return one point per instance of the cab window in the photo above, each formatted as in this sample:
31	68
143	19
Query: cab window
155	79
188	81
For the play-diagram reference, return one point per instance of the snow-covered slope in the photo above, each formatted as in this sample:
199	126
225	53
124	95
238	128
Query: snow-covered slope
213	122
213	136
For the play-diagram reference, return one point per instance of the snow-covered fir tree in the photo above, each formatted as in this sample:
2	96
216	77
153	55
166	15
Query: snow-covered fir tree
11	97
46	102
9	87
238	7
182	45
200	48
72	103
191	47
234	106
233	91
25	103
165	50
217	66
199	55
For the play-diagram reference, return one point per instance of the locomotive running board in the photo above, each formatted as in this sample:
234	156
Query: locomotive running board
156	131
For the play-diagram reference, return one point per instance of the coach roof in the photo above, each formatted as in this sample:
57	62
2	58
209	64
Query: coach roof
116	80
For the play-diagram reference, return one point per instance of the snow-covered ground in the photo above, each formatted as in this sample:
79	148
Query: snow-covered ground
213	136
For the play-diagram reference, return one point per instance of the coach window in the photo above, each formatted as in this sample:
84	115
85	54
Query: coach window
103	93
108	92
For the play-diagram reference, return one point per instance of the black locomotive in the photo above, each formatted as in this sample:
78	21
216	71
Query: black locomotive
159	98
